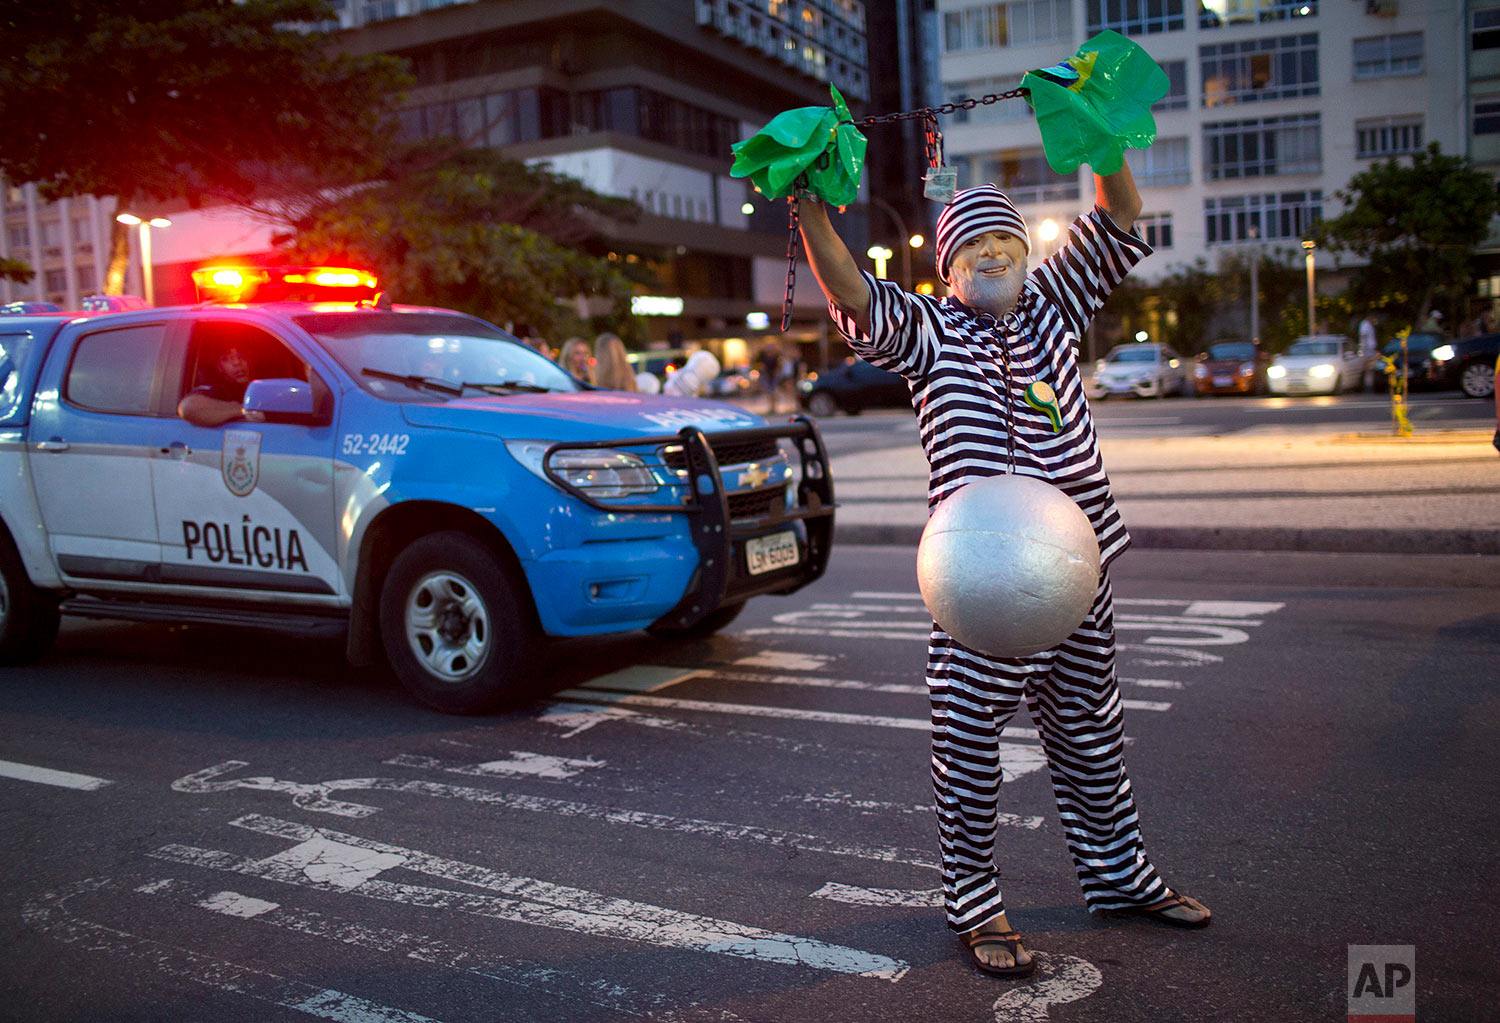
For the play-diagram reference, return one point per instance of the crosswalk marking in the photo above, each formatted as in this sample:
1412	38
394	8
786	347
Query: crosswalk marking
47	776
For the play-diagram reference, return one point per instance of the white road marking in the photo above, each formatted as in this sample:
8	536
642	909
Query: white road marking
784	661
893	897
50	914
47	776
718	830
576	718
1058	980
1232	608
642	678
528	900
522	765
845	801
584	991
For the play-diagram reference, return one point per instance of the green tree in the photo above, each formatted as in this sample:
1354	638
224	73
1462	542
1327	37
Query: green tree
15	270
210	102
472	230
1416	225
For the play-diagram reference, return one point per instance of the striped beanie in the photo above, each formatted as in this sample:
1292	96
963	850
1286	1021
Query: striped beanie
973	212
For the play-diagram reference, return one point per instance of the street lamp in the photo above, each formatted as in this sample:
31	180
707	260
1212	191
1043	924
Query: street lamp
1312	323
1048	230
1254	283
879	253
147	280
913	241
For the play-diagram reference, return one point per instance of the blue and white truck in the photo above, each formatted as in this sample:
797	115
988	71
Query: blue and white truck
415	479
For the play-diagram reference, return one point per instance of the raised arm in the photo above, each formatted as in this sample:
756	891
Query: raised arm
833	265
1118	196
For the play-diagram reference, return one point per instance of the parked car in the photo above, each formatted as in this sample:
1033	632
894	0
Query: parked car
28	308
414	479
1232	367
1317	364
1433	362
112	303
1143	368
852	388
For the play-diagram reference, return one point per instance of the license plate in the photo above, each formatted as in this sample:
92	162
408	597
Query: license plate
1223	381
768	553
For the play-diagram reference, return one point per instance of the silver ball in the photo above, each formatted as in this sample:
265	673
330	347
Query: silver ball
1008	565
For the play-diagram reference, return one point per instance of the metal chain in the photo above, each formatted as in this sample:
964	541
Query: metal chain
946	108
791	264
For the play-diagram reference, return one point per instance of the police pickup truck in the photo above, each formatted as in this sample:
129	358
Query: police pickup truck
414	479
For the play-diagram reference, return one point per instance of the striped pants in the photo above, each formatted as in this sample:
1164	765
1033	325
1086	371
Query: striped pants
1074	699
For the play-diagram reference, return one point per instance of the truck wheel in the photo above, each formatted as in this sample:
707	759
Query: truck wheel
712	623
458	630
28	616
822	405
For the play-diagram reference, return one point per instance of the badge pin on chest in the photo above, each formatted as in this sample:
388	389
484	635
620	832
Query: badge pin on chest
1040	396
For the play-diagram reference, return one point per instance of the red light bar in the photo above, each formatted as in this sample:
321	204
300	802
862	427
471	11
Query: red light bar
284	284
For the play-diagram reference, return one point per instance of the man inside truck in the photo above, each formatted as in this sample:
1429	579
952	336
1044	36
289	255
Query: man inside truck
228	360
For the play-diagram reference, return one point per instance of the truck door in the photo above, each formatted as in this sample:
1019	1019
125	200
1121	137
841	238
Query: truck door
92	436
247	506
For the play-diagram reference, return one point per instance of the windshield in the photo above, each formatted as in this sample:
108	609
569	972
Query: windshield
432	356
1132	355
1314	348
1414	343
1232	350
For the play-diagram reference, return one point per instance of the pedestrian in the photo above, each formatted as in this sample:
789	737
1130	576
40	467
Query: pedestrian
1368	349
1434	322
611	367
969	360
768	363
1497	405
540	346
577	359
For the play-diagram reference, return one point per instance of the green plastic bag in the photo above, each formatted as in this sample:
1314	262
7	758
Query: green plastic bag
811	148
1096	103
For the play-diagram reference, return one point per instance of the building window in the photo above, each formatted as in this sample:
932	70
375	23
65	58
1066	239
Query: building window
1177	90
1486	34
51	233
1487	115
1025	176
1255	70
56	280
1279	215
19	236
87	282
1245	12
1387	136
1164	163
83	231
1262	147
658	117
1384	56
1156	229
1018	23
1135	17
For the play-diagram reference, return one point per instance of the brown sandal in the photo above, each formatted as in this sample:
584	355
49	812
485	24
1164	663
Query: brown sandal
1012	942
1159	912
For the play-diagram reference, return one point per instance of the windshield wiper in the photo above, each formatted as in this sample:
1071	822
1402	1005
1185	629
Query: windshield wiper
412	380
505	386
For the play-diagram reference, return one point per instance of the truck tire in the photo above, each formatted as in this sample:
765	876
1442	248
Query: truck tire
707	626
28	616
458	630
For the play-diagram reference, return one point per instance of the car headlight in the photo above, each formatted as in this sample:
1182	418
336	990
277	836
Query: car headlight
1200	372
1276	372
1247	369
1442	353
1321	370
602	473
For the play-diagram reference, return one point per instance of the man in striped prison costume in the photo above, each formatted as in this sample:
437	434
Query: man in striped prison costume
968	360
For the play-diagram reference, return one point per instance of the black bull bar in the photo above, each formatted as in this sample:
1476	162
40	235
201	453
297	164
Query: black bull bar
718	538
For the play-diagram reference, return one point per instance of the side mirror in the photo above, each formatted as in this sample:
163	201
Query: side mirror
281	400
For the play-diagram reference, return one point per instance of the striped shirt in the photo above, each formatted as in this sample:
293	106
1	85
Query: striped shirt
954	360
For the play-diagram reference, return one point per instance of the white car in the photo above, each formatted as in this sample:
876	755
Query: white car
1145	368
1321	364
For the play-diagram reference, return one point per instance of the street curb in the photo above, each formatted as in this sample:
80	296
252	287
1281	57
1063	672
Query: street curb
1230	538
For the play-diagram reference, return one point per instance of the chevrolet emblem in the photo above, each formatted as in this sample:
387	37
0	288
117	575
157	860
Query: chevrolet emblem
755	476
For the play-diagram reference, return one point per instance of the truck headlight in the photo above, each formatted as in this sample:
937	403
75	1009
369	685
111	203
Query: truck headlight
602	473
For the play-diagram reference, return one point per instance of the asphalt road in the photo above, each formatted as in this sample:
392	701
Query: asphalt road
739	828
1182	417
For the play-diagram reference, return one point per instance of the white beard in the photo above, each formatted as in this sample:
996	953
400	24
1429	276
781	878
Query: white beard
993	295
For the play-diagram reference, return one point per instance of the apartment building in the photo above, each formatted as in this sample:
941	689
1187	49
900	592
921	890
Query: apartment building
1273	106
